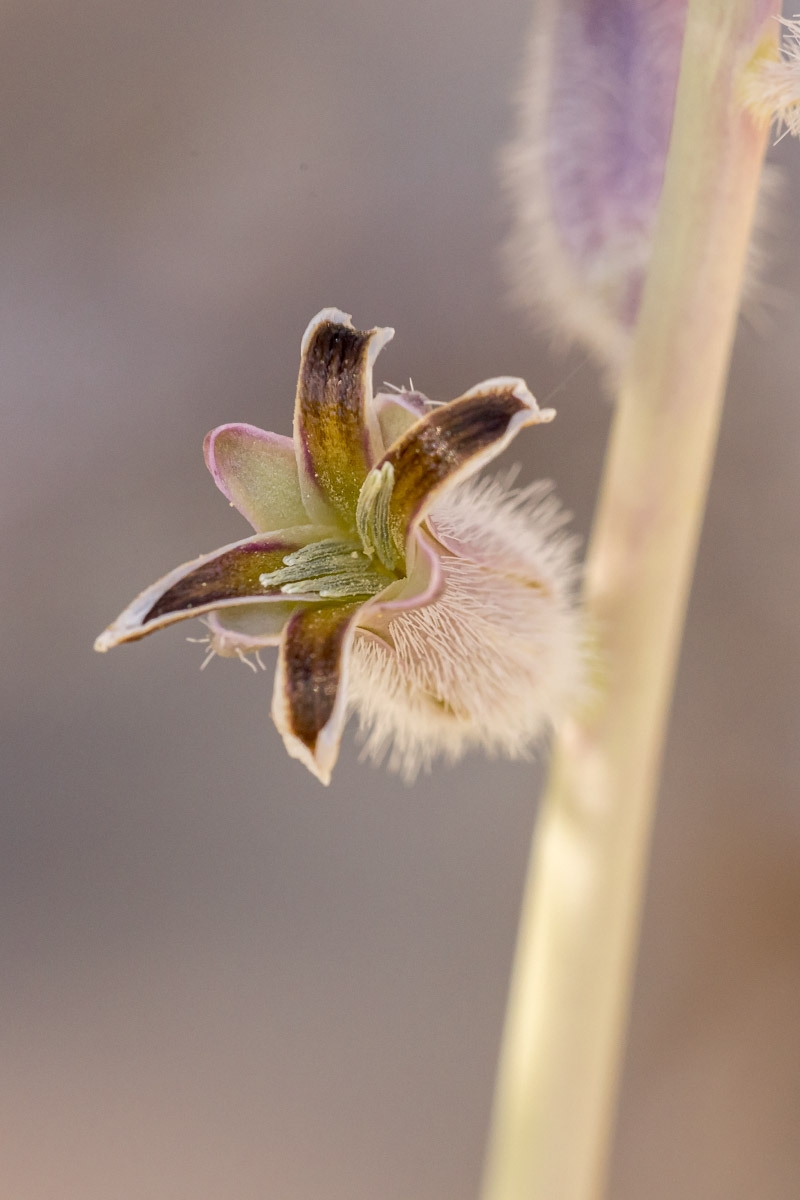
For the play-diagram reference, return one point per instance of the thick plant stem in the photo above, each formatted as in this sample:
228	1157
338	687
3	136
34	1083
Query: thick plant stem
560	1060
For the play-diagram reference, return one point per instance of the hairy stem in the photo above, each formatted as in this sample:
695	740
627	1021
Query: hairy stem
560	1061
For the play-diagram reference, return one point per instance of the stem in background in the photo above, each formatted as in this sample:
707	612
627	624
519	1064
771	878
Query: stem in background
560	1060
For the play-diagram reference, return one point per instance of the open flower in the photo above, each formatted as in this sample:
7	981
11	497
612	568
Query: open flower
439	609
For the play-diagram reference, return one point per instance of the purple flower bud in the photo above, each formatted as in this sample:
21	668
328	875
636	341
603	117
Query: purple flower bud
586	167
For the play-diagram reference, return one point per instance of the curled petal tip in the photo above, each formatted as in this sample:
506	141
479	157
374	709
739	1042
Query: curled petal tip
335	315
523	393
319	764
538	416
517	388
381	336
104	642
503	383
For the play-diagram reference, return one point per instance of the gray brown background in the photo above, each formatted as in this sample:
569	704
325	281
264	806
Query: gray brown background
219	980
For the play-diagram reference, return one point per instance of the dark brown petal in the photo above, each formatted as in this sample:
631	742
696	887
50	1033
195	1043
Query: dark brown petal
310	704
452	442
225	577
337	438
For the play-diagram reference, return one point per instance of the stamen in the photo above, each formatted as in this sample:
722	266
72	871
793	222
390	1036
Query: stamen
330	569
372	515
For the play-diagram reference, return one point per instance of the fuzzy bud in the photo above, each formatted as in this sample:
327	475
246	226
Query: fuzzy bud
585	170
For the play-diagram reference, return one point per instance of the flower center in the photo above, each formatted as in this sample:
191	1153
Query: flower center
335	569
331	569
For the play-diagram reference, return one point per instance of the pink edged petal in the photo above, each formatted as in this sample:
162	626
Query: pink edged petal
397	412
422	585
449	444
246	627
309	705
225	577
336	432
257	472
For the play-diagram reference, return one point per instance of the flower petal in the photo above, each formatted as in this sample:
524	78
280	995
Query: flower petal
451	443
421	586
245	627
309	704
225	577
257	472
337	437
397	412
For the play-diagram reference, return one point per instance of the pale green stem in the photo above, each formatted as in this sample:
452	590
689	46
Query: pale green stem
560	1061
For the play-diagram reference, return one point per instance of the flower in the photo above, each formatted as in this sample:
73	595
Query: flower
437	606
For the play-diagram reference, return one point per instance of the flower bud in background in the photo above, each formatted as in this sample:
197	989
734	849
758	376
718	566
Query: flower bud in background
585	169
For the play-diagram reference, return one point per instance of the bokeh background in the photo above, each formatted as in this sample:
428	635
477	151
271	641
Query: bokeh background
218	979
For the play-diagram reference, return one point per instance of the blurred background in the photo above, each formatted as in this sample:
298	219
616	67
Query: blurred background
219	979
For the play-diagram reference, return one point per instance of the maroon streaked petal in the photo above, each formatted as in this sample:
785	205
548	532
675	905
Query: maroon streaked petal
309	704
245	627
257	472
397	412
452	442
337	437
226	577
